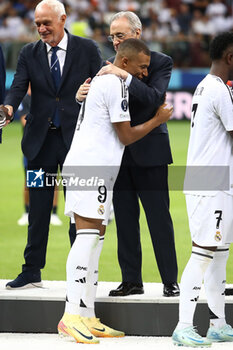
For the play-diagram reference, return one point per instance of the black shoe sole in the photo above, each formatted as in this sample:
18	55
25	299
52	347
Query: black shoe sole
25	286
171	295
133	292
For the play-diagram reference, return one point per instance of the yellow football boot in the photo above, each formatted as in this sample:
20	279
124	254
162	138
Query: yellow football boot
99	329
72	325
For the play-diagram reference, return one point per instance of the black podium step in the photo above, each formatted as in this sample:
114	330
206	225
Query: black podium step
38	310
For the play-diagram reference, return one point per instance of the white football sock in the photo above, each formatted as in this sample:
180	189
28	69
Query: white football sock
89	292
190	285
77	266
214	282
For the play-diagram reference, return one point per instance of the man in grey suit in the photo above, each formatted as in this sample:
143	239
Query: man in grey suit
55	66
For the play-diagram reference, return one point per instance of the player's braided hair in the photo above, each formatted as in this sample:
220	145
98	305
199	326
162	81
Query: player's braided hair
219	44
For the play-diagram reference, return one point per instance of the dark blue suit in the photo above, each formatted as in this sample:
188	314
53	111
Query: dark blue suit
143	174
44	146
2	82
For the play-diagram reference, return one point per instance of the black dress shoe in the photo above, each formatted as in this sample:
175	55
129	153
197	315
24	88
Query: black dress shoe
127	288
229	291
171	290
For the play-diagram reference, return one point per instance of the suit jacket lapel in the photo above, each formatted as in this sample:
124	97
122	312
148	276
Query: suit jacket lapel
43	61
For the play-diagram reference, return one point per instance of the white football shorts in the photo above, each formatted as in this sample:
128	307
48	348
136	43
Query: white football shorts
210	219
94	204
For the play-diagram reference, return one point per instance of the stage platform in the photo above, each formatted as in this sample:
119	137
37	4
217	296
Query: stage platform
38	310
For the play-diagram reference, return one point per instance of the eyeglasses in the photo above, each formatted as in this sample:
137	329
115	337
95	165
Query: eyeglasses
119	36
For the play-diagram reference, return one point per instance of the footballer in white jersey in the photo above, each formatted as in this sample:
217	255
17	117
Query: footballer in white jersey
96	148
209	206
103	129
210	145
208	164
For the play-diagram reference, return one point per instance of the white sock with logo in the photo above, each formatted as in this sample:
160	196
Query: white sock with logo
190	285
215	283
77	267
89	292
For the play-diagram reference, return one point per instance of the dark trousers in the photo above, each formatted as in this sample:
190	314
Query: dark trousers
149	184
50	157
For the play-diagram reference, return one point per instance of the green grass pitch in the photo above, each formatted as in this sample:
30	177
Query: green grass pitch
13	237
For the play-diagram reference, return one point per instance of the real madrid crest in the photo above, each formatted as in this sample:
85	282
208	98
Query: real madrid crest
101	210
218	236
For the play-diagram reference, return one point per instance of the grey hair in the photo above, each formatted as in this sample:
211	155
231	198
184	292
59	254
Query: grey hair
133	19
55	5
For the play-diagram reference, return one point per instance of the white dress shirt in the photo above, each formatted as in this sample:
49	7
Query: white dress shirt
61	53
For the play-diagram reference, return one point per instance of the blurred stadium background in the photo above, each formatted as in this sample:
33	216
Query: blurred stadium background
179	28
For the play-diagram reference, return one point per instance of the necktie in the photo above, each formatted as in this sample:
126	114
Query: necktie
56	74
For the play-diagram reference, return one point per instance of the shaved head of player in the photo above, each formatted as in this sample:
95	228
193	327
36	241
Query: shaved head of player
134	57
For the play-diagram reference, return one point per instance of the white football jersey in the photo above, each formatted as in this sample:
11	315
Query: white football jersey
210	144
95	141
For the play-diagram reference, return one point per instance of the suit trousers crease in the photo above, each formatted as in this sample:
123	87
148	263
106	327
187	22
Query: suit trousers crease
134	183
50	157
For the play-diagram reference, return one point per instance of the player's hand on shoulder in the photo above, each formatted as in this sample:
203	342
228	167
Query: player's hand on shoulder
164	113
112	69
83	90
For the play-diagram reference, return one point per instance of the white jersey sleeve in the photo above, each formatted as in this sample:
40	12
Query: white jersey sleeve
117	100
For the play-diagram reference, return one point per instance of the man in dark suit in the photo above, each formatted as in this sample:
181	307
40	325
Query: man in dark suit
2	84
55	66
144	171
